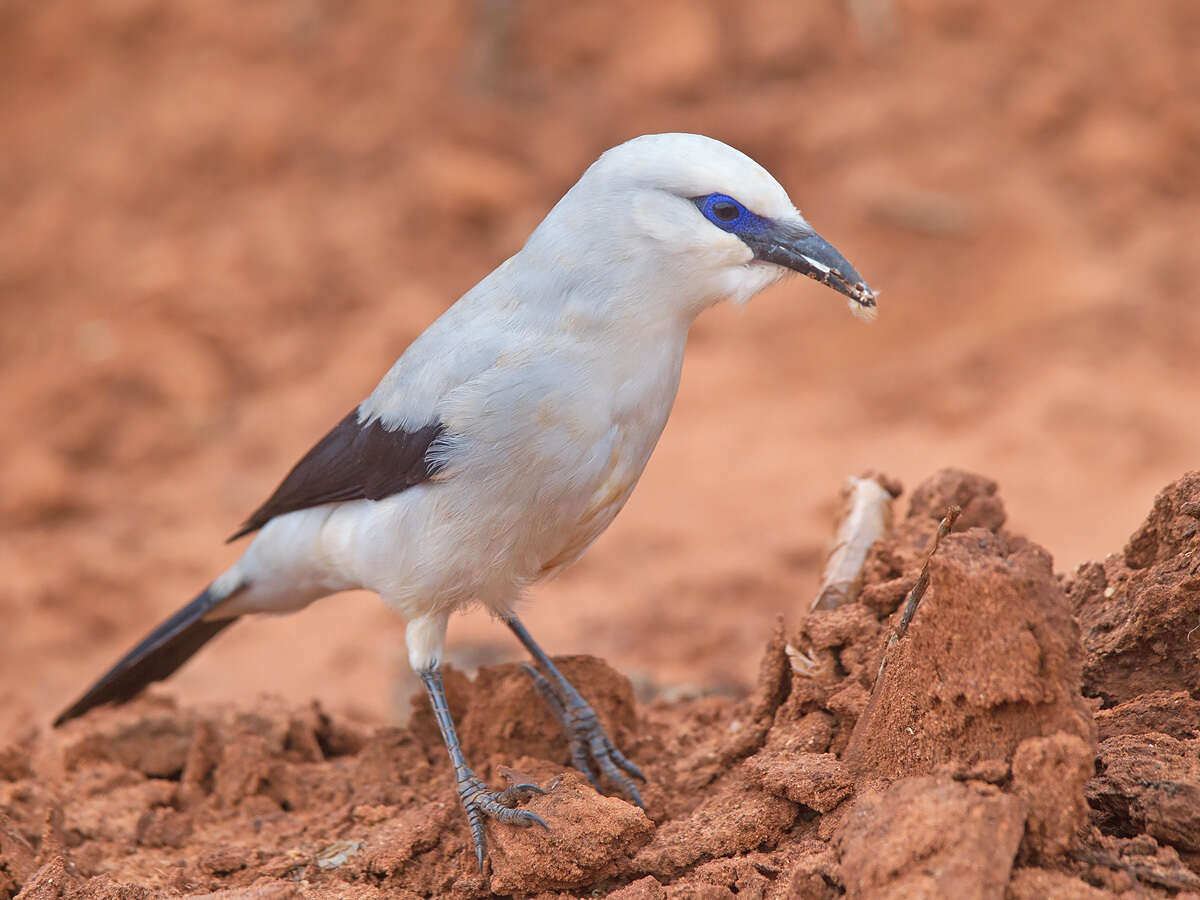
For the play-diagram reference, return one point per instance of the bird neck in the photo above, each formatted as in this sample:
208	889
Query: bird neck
634	302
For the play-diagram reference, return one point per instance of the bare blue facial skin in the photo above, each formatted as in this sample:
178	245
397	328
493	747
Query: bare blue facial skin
786	244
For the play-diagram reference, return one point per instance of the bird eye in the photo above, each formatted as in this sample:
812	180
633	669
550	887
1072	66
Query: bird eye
725	210
727	214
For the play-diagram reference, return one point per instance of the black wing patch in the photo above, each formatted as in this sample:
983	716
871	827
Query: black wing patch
352	462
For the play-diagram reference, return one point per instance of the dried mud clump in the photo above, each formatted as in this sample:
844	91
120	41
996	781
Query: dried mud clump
1140	609
996	660
1150	783
967	766
1049	774
589	835
931	837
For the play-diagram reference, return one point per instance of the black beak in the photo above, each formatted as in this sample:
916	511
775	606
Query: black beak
806	252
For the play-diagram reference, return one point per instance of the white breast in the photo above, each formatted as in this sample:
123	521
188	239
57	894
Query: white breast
558	437
546	447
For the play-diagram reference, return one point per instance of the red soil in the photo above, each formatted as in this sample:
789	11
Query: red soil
968	769
224	220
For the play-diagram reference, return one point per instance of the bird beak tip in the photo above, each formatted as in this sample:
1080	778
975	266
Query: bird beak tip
803	250
863	301
866	309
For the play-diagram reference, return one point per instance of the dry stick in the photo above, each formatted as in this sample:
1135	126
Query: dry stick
866	517
918	589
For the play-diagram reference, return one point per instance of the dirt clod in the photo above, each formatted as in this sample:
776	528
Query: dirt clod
995	609
647	888
735	817
931	837
974	494
1049	774
1038	884
1141	619
1175	713
816	780
1149	782
590	836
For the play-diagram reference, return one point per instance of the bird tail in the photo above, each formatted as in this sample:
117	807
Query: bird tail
159	654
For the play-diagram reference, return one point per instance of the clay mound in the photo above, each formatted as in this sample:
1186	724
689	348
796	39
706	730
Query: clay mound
996	661
1140	609
969	768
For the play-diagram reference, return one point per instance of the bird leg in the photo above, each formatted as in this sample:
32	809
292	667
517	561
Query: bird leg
590	746
476	799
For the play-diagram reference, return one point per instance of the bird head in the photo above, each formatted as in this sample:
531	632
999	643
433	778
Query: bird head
698	221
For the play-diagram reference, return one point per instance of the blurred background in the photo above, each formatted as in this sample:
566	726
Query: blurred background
222	221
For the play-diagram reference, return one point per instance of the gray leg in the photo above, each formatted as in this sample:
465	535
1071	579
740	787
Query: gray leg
477	800
585	735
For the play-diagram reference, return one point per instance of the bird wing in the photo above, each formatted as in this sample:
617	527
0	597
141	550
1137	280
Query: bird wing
354	461
382	447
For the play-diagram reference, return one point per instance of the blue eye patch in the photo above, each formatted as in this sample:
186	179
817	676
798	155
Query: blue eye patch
729	215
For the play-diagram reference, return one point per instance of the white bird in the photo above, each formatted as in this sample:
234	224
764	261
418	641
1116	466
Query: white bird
509	434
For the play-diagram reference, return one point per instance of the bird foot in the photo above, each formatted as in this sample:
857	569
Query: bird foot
590	747
479	802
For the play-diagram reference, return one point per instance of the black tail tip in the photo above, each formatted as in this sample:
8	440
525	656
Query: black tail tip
156	657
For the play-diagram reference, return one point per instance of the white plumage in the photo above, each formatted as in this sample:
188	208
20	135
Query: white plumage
549	384
554	377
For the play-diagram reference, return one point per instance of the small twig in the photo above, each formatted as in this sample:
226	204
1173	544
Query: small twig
918	589
865	518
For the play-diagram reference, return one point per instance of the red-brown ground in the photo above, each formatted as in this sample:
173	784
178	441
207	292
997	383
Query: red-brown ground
979	763
223	221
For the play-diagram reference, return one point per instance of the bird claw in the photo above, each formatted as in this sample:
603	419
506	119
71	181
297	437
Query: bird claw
615	766
479	803
516	794
589	744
